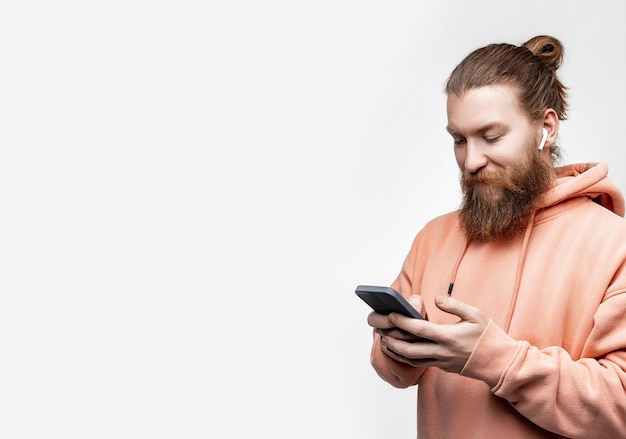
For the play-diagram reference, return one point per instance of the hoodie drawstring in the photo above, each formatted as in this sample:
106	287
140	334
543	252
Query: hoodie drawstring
456	266
518	275
520	268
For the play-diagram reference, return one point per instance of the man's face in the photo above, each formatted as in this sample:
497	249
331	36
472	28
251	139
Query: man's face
502	172
491	132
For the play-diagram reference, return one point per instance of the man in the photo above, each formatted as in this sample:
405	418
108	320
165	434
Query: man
523	289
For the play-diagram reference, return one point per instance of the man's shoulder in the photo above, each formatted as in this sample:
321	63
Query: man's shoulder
600	217
447	220
442	226
442	235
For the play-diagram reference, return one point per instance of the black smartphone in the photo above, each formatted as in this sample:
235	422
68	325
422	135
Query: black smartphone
385	300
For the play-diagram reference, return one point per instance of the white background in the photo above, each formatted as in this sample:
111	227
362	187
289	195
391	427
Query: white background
191	193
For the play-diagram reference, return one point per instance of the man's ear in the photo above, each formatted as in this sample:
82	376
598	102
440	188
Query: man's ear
551	124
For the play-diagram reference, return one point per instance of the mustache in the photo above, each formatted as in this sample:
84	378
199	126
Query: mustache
493	178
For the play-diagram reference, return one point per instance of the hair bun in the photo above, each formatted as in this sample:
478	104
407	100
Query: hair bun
548	48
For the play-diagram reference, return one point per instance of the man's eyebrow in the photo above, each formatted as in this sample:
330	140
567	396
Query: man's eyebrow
481	129
492	125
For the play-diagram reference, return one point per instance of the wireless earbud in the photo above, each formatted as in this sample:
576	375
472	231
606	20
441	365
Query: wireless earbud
543	138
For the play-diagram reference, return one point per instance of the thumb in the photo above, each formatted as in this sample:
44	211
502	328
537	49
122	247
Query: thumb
417	303
454	306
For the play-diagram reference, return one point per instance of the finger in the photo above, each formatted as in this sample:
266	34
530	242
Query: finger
417	302
421	329
379	321
398	334
415	362
454	306
412	353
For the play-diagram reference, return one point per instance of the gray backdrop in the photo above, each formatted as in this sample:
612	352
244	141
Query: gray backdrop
191	193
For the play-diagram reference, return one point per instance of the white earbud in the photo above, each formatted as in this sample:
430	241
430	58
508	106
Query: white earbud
543	138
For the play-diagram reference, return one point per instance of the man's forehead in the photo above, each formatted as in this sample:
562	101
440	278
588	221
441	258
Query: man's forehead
484	108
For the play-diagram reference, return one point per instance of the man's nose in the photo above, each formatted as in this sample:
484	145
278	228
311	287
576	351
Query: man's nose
475	159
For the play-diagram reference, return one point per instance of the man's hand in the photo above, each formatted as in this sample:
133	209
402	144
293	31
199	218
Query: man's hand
383	326
451	345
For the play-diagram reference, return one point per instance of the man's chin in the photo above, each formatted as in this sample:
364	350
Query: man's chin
493	215
488	194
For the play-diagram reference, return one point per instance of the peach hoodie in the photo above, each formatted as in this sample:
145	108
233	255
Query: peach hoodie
552	361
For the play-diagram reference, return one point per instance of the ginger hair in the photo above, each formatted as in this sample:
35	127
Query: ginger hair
531	68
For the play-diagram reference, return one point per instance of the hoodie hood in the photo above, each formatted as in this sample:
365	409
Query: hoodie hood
585	180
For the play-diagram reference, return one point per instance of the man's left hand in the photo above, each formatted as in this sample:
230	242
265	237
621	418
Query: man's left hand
452	344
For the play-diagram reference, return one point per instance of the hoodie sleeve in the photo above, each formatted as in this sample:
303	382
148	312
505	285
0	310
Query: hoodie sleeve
400	375
582	398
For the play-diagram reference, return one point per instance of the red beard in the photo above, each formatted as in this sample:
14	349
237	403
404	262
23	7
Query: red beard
502	209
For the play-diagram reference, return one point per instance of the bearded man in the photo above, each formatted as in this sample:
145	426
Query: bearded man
522	289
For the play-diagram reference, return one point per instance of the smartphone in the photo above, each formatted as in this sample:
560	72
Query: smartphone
385	300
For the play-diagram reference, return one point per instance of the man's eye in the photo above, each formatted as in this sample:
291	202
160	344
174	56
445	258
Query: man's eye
492	139
460	141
